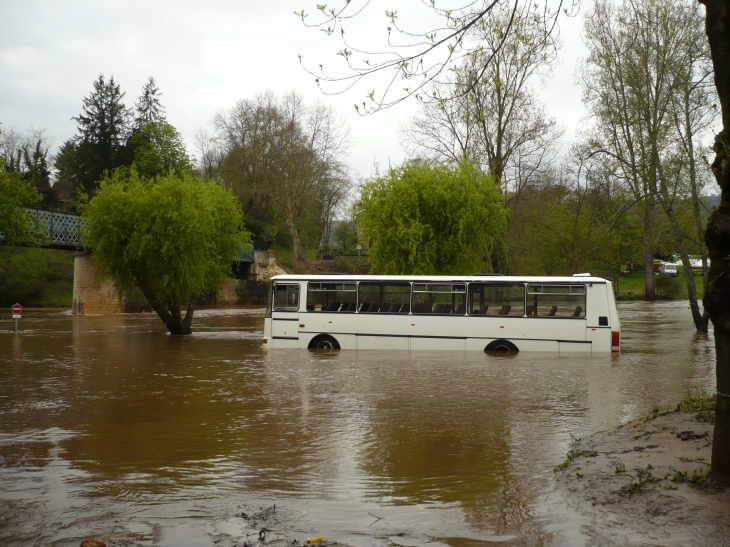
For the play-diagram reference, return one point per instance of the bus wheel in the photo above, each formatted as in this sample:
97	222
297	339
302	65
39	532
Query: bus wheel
323	341
501	345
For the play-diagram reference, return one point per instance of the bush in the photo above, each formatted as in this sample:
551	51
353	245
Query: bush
672	287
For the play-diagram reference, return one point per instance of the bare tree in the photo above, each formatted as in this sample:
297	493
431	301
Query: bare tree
494	118
289	155
694	112
634	78
211	155
421	58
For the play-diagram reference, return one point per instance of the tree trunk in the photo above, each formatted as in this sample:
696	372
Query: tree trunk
717	234
648	221
696	208
172	317
296	244
721	438
662	194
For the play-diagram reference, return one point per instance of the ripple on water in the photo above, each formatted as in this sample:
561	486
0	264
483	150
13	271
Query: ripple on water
110	415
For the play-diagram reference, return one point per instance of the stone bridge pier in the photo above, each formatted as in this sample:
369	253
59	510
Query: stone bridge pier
91	296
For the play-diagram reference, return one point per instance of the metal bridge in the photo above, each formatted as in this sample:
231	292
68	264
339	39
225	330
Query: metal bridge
63	231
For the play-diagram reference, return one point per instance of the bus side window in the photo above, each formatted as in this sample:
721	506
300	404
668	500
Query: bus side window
331	297
557	300
384	297
497	299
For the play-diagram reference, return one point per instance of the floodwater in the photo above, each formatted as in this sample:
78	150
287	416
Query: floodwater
110	427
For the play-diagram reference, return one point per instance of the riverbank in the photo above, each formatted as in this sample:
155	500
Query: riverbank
649	482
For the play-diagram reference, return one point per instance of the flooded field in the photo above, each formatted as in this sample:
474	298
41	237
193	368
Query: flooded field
111	427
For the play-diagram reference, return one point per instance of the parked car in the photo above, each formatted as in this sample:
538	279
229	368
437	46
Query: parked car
668	268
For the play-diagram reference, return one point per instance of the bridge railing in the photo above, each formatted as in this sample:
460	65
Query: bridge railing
247	255
64	231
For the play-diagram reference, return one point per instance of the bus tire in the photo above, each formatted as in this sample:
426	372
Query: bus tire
501	345
324	341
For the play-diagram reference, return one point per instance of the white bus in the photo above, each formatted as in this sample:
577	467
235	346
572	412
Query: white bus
480	313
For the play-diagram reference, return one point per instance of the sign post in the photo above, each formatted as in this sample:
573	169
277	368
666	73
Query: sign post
17	310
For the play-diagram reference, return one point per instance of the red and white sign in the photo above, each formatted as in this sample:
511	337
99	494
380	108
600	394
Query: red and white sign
17	309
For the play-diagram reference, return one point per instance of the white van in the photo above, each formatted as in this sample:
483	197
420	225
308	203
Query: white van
668	268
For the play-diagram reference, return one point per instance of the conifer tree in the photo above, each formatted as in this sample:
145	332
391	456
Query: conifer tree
148	107
100	145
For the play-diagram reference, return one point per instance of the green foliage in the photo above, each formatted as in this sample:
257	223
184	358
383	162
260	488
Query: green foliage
35	277
346	236
27	155
668	286
159	148
431	219
16	225
23	273
175	236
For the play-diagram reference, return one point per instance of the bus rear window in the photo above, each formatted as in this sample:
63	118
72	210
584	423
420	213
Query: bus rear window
556	300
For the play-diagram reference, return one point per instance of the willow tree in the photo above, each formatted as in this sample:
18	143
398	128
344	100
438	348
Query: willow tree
430	219
175	237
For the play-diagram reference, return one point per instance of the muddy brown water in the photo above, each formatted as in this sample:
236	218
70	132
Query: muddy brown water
111	427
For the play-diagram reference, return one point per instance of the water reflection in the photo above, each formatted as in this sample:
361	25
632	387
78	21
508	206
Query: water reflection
158	429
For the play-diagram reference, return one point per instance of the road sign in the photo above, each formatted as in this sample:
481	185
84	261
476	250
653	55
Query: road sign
17	309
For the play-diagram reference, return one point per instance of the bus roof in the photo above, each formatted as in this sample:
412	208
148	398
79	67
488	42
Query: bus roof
578	278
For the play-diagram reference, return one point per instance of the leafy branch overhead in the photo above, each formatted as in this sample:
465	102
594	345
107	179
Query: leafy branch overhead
424	58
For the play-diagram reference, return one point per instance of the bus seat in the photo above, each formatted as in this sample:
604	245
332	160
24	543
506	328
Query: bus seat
333	306
406	308
439	308
460	309
348	306
483	310
374	308
553	310
505	309
364	307
530	309
578	311
448	308
421	308
395	308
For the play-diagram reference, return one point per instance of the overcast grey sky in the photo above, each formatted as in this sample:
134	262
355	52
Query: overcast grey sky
205	56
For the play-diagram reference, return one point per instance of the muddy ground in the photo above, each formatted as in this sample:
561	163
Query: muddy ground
649	481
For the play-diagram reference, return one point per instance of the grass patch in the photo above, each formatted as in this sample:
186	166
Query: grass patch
696	479
702	404
644	479
572	455
631	286
621	468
